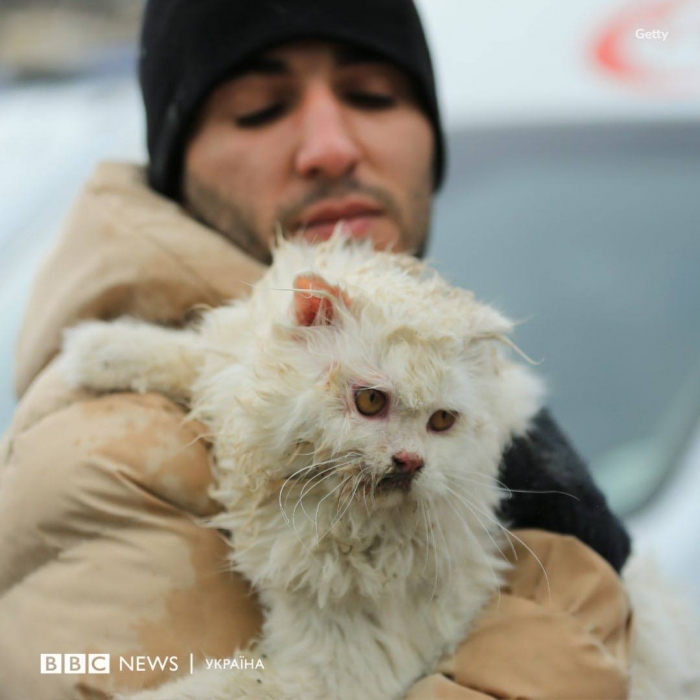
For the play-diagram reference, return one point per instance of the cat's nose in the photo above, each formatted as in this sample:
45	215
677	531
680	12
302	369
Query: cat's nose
407	462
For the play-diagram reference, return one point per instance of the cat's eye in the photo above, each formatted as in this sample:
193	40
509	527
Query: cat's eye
442	420
370	402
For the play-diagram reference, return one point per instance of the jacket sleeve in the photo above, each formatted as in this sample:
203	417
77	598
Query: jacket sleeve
555	635
552	489
101	550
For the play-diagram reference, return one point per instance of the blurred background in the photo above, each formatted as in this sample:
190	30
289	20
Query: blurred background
572	203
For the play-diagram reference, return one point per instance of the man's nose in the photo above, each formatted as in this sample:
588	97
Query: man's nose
407	462
327	146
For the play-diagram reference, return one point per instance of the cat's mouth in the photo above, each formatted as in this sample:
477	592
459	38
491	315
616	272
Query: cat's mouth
393	483
405	467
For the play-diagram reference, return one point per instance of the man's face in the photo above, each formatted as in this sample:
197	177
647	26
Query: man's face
307	135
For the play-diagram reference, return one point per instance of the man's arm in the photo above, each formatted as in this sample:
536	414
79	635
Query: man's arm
544	460
563	634
101	550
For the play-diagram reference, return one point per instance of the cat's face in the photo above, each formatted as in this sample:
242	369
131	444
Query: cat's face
404	412
357	399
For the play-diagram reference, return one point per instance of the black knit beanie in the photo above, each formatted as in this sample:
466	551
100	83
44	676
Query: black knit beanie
188	47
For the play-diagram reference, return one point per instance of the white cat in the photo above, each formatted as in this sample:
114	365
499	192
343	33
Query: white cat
359	407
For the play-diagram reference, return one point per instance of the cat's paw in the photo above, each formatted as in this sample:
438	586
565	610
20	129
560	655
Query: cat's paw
93	357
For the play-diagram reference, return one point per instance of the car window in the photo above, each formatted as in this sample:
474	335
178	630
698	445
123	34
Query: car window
589	237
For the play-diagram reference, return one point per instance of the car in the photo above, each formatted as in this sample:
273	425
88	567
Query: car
668	521
572	205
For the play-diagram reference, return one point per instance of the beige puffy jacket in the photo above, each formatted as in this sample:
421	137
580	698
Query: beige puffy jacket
100	549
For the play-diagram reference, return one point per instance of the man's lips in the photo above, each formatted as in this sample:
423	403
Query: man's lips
356	215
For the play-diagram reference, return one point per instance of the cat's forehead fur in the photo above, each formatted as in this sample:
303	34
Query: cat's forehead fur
397	290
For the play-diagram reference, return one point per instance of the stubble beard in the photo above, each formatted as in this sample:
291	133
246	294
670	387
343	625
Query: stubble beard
226	217
231	220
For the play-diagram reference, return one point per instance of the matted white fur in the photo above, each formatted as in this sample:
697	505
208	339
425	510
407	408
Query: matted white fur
665	650
365	589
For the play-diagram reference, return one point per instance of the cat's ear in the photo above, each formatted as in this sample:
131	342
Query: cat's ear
485	323
485	330
316	300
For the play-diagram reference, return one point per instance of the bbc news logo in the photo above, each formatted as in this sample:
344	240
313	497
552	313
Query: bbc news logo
100	663
75	663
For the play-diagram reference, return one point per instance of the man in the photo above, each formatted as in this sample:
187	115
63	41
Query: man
280	114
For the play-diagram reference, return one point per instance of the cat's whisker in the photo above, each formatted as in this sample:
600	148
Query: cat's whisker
449	559
350	499
364	494
351	464
329	471
427	539
511	534
311	489
359	481
293	476
299	537
291	483
293	520
319	506
374	483
309	486
559	493
331	461
487	480
479	547
340	498
304	454
415	520
507	489
283	507
350	470
486	530
318	539
292	523
339	515
435	552
489	477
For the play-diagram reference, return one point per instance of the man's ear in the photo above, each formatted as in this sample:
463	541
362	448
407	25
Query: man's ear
315	300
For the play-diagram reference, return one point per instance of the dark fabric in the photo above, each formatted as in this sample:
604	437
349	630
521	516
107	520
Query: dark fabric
544	460
189	46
